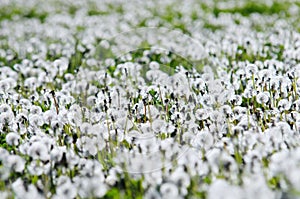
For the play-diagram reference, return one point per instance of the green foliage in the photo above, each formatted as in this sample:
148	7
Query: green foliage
212	27
274	182
75	61
251	7
127	189
238	157
3	143
8	13
113	193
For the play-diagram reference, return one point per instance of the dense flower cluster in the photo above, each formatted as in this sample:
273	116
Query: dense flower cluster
154	99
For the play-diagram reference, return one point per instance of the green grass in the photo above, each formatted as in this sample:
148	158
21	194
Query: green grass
8	13
212	27
255	7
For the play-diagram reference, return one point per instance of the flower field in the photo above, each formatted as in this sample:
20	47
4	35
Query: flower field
150	99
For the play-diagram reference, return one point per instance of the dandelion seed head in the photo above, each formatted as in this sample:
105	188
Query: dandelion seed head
12	139
284	104
15	163
38	151
262	98
169	190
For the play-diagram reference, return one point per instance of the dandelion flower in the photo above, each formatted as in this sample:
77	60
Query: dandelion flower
262	98
38	151
157	125
12	139
15	163
169	190
284	104
201	114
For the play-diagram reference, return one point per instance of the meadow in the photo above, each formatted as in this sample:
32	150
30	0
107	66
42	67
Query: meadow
150	99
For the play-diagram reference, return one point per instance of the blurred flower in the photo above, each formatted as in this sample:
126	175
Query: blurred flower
12	139
262	98
38	151
65	188
158	125
201	114
203	140
169	190
23	190
15	163
222	189
284	104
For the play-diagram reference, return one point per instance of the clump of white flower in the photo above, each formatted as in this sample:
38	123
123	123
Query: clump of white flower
154	99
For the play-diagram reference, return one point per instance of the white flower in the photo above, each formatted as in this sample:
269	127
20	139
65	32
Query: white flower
25	191
152	193
56	154
85	128
154	75
12	139
168	128
154	65
5	194
236	100
220	189
216	116
203	140
75	118
262	97
66	190
169	190
284	104
61	65
87	145
180	177
36	120
121	123
153	112
206	100
239	112
49	116
201	114
35	110
72	159
157	125
38	151
293	177
111	180
90	187
251	69
6	118
255	186
31	83
15	163
227	111
4	86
